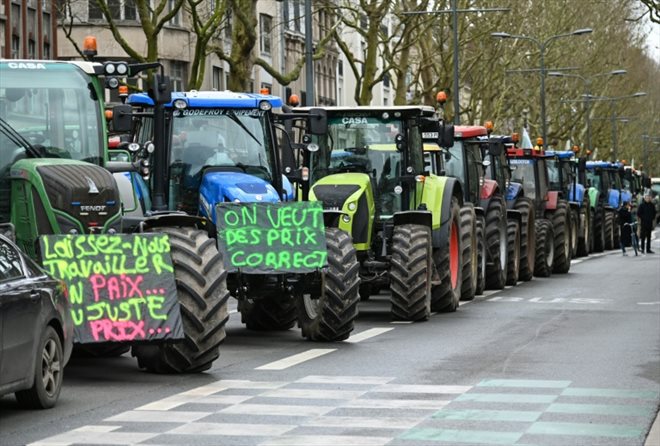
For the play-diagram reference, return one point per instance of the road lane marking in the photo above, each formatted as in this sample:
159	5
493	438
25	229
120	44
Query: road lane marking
364	422
367	334
290	361
488	415
507	398
156	416
325	440
546	384
314	394
602	409
421	388
84	437
400	322
366	403
583	429
461	436
290	410
233	429
611	393
325	379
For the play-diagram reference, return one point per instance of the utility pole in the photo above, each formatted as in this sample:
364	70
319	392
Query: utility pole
454	10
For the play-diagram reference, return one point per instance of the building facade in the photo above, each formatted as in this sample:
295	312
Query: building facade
28	29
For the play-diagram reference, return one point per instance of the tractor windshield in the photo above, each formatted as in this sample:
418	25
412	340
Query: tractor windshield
237	139
523	172
364	145
554	179
51	107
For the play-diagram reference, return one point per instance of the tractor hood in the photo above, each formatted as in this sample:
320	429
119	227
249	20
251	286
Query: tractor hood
218	187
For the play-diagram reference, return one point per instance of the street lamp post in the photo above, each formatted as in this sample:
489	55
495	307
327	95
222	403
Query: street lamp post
613	117
587	84
454	10
542	45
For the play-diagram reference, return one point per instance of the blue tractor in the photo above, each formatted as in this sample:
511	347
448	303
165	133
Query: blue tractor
563	175
225	147
604	200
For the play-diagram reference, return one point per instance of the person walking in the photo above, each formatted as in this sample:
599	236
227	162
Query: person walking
625	219
646	214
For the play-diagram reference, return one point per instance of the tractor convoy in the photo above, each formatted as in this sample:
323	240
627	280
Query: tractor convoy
297	213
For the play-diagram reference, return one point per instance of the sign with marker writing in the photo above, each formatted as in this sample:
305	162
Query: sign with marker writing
121	286
264	238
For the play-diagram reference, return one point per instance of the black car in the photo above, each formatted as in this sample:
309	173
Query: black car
36	330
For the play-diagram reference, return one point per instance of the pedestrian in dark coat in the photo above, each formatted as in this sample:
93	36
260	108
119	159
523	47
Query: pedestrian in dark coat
646	214
625	217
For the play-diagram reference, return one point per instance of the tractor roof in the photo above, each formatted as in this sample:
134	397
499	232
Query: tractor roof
423	110
469	131
517	152
87	67
598	164
211	99
561	154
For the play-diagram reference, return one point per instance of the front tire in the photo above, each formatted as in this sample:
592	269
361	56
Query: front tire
545	248
481	256
330	314
599	236
527	238
496	243
201	282
513	265
48	373
561	222
470	254
410	273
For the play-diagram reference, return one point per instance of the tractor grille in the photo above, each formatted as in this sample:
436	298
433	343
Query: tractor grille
334	196
86	192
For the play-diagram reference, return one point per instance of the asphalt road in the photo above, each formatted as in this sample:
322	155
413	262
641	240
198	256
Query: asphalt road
569	360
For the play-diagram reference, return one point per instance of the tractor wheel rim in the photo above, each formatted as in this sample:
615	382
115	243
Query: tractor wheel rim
453	256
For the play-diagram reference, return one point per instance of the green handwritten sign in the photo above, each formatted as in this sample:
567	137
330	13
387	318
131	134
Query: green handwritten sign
263	238
121	286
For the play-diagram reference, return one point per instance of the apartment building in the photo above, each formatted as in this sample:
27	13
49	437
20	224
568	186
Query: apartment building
28	29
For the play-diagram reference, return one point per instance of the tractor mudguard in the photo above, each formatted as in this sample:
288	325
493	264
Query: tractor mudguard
613	198
513	191
578	196
488	189
424	218
174	218
514	215
444	190
551	203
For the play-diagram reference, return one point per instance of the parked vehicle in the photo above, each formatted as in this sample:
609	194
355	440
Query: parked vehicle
36	329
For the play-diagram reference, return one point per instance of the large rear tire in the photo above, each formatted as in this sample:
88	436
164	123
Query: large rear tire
575	229
410	273
329	315
561	222
527	238
470	254
545	248
513	265
201	282
481	256
585	234
496	229
268	314
599	230
609	230
448	262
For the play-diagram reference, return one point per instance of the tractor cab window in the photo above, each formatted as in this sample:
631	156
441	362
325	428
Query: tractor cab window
51	113
593	179
554	180
454	166
524	173
364	144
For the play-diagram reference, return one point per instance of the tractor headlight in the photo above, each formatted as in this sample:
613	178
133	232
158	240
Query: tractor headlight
109	68
180	104
265	105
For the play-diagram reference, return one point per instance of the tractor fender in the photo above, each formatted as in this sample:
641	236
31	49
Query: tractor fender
452	189
578	196
513	192
613	198
514	215
551	202
176	218
423	218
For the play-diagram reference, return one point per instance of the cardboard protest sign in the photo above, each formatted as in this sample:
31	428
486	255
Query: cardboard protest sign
121	286
264	238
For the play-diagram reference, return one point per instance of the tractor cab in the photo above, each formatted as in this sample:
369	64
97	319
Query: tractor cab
529	167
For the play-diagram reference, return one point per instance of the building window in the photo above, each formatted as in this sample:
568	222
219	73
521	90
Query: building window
15	47
46	51
32	49
297	15
218	79
176	20
265	24
177	74
386	80
340	68
119	10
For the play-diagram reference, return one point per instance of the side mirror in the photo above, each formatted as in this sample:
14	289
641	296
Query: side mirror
495	148
122	118
446	135
161	91
318	121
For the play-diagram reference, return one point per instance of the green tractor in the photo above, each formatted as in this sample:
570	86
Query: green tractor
369	170
55	178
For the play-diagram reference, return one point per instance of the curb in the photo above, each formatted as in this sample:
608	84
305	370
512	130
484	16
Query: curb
653	438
